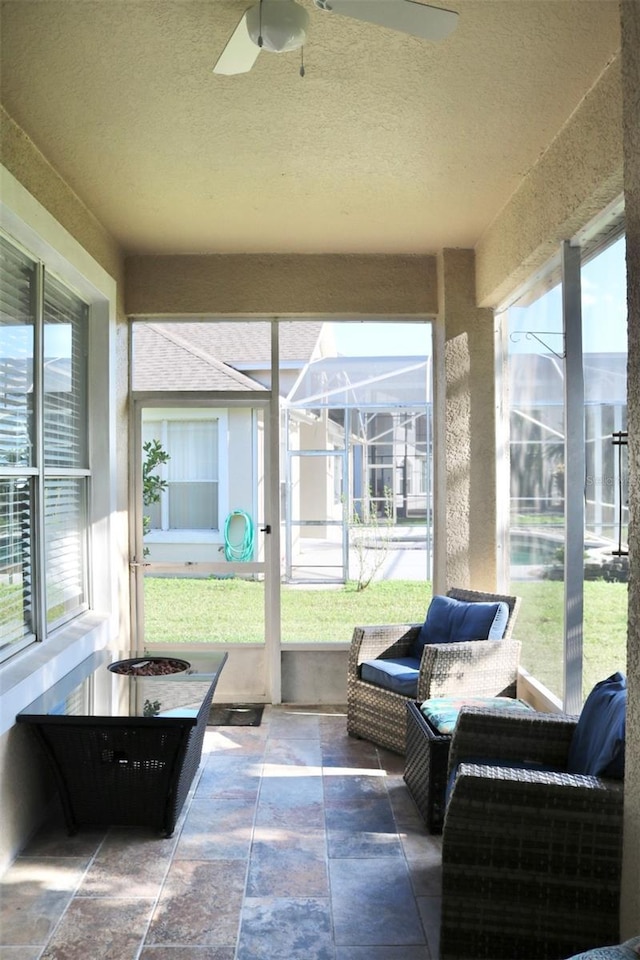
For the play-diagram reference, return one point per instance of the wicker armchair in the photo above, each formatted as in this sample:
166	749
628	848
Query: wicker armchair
479	668
531	857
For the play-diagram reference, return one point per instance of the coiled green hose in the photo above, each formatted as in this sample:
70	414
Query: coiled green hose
242	550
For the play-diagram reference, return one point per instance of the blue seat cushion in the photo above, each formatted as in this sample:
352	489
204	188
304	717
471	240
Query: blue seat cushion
442	712
597	746
400	676
454	621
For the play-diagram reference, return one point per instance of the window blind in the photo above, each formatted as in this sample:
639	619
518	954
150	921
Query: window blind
17	296
43	496
16	602
64	525
65	386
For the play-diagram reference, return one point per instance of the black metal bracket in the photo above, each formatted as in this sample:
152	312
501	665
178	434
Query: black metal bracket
620	439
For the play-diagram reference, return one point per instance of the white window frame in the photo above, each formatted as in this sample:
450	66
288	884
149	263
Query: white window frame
33	669
166	414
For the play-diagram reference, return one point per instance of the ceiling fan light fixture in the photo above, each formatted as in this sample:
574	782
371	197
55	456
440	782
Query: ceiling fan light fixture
282	24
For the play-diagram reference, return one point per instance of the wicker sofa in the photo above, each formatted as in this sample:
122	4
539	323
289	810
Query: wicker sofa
531	854
480	668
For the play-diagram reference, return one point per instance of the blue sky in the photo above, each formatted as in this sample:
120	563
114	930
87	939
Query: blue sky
604	318
369	339
604	309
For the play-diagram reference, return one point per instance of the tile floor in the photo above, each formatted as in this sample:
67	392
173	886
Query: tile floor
297	842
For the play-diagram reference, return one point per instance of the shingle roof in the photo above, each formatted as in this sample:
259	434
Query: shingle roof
165	360
206	356
248	341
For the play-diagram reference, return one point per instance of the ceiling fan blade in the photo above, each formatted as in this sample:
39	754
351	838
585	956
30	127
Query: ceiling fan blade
240	53
416	19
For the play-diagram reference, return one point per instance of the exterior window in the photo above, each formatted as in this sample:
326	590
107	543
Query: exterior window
537	457
44	470
606	570
538	534
189	500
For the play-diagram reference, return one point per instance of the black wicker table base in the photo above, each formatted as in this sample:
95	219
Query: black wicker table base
124	749
425	769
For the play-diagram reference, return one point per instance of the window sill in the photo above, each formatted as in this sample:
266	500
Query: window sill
28	674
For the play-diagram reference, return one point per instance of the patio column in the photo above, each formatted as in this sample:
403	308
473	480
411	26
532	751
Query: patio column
465	431
630	32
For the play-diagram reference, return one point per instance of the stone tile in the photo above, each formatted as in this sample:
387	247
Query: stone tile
393	763
301	752
345	784
333	720
404	808
33	895
350	753
294	724
383	953
426	875
292	865
30	919
291	801
373	903
200	904
188	953
417	842
385	907
236	741
21	953
216	829
53	840
286	929
361	828
34	876
230	776
100	929
430	909
129	864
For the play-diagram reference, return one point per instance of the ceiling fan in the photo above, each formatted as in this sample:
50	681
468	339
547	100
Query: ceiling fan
281	25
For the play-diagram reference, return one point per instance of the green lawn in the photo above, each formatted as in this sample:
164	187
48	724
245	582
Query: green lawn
540	629
231	611
224	611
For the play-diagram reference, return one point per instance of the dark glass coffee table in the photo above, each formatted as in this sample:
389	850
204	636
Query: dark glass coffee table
124	748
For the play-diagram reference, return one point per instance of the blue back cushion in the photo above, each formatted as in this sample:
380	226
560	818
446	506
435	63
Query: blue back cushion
597	746
452	621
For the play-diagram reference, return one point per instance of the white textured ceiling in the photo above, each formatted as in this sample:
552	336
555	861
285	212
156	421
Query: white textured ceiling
389	144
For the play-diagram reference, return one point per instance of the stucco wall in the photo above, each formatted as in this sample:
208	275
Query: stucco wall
630	12
579	174
23	159
465	456
281	285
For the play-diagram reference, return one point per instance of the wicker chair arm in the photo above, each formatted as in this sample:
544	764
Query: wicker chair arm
386	641
482	668
542	738
536	794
